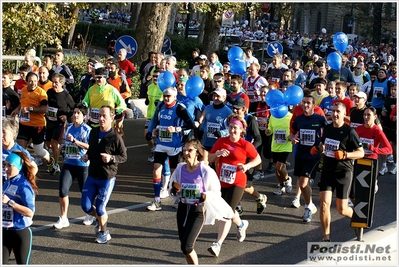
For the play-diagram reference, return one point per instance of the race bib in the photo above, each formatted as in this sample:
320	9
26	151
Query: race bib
354	125
366	142
377	90
164	136
262	122
52	113
330	145
72	151
24	117
280	137
307	137
212	127
94	114
228	173
8	216
190	193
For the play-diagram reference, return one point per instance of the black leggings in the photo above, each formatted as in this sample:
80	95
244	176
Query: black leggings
68	175
232	195
20	242
266	146
190	220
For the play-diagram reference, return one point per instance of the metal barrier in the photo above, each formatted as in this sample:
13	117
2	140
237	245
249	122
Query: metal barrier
19	58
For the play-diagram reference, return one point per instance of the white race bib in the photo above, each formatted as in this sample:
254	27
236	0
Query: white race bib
190	193
228	173
367	141
164	136
94	114
280	136
212	127
8	216
24	117
330	145
307	137
52	113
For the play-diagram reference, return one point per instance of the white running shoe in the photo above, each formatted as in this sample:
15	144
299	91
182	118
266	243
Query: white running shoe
288	184
61	223
88	220
393	171
296	203
164	193
241	232
280	190
383	170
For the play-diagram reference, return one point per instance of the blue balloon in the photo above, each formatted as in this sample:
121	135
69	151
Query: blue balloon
293	95
235	53
194	86
279	111
274	98
340	41
238	67
166	79
334	60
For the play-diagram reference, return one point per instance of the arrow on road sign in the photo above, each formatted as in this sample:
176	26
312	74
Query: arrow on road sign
127	47
275	49
358	209
361	177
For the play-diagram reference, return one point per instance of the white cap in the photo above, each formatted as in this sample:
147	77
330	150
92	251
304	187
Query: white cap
220	91
361	95
203	56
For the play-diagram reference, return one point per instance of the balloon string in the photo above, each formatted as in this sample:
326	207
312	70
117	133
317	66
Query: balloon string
260	111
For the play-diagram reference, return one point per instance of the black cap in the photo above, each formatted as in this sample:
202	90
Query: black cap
101	71
320	80
113	60
92	61
318	64
239	103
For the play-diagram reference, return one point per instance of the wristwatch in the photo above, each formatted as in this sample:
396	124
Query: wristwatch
178	129
30	108
73	140
11	203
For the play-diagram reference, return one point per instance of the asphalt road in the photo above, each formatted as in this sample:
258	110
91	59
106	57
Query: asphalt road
140	237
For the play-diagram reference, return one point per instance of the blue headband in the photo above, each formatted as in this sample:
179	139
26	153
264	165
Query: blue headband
15	160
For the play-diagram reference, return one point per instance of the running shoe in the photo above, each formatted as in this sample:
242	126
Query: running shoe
261	204
241	232
393	171
103	237
56	168
280	190
296	203
38	161
164	193
270	168
61	223
383	170
307	216
259	175
288	184
214	249
97	227
88	220
50	166
390	159
151	158
155	205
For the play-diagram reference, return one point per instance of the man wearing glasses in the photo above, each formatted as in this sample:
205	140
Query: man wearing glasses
169	122
100	94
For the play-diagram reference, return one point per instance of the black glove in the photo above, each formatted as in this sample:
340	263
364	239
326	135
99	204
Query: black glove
217	134
148	136
147	102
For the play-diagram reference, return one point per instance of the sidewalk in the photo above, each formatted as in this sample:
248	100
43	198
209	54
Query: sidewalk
380	237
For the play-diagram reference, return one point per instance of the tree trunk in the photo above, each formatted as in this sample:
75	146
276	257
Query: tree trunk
377	25
72	29
136	7
212	30
151	29
201	32
172	17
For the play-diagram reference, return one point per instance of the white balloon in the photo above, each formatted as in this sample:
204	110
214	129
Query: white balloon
323	30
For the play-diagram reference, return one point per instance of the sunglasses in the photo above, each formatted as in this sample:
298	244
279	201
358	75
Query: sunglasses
217	81
155	76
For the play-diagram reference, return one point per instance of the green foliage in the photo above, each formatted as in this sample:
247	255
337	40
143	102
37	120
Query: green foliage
183	47
77	65
97	32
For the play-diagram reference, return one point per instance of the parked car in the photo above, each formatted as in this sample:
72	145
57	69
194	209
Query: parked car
258	46
229	40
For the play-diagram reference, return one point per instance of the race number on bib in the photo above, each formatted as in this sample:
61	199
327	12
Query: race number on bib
8	216
280	136
262	122
212	127
330	145
164	136
52	113
190	193
307	137
366	142
94	114
228	173
72	151
24	117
